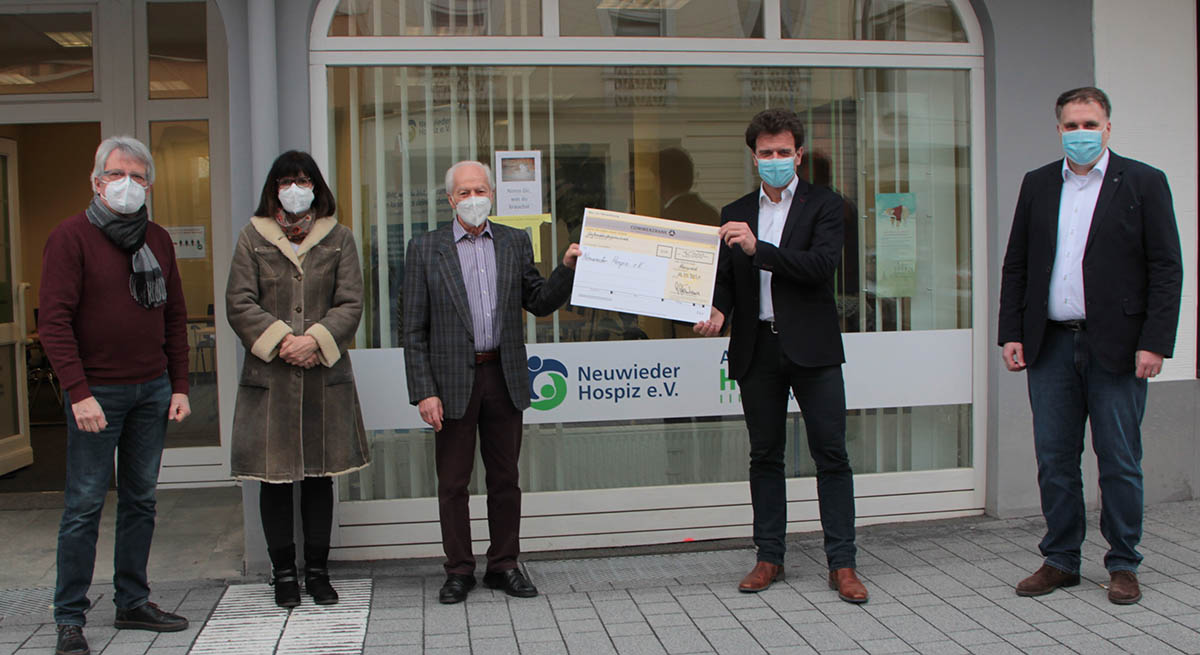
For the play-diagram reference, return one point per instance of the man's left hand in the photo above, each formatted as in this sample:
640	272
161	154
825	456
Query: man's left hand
180	408
571	256
740	234
1148	364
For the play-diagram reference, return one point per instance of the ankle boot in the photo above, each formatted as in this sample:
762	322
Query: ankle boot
284	577
316	576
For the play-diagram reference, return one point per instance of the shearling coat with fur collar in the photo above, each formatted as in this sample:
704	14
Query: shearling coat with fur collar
292	422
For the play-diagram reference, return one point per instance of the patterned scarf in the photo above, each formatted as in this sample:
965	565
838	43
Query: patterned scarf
146	283
298	228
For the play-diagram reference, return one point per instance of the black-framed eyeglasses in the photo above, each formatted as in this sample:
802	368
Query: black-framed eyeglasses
116	174
285	182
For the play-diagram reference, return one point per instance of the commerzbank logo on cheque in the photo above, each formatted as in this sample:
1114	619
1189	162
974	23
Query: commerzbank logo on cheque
552	375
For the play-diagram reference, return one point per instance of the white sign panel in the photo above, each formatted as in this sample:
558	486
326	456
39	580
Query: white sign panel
189	241
643	265
518	182
606	381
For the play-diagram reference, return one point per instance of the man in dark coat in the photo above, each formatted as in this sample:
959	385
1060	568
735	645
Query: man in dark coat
465	286
1089	304
780	248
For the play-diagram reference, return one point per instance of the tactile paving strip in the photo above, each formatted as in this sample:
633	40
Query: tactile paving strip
246	621
329	629
25	601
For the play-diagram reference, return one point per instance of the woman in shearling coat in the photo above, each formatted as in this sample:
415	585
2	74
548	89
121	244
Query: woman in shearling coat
295	296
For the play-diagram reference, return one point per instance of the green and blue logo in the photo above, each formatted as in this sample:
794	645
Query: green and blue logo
552	393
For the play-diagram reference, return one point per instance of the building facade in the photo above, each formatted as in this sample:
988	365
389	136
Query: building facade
923	114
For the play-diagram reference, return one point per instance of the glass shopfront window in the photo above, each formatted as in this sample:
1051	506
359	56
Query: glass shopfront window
437	18
894	142
871	20
46	53
177	49
692	18
182	203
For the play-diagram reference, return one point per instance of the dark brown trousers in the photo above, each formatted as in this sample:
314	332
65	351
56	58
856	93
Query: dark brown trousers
499	426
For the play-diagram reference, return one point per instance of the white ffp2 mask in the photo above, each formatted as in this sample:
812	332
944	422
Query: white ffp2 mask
124	196
296	199
474	210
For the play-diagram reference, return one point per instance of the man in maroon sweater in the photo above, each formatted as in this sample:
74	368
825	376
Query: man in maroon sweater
113	323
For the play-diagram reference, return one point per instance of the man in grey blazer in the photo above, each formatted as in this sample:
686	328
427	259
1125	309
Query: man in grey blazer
465	285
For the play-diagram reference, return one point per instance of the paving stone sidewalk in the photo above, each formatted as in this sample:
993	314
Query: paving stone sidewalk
936	587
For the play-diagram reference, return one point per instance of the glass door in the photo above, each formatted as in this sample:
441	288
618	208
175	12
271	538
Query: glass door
15	451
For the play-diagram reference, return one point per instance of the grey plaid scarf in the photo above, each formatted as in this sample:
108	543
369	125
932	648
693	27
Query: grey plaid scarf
146	283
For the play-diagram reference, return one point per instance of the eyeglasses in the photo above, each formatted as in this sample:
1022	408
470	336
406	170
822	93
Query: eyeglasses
285	182
114	175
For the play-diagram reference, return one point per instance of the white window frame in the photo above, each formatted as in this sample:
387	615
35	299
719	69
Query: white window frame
663	514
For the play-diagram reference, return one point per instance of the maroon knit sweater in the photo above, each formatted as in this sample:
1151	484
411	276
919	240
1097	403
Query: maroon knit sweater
92	329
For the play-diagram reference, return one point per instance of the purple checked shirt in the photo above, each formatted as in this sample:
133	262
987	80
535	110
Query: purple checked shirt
477	255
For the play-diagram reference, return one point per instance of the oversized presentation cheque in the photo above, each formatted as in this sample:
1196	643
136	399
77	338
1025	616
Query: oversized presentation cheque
643	265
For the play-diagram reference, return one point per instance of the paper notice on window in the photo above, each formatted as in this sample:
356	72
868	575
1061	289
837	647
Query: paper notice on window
896	244
644	265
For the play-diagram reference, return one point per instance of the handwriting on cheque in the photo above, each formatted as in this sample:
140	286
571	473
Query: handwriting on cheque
617	261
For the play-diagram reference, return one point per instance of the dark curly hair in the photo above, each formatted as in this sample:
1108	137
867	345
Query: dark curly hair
775	121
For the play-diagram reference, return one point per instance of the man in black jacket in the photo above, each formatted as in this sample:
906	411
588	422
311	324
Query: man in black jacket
1088	306
781	245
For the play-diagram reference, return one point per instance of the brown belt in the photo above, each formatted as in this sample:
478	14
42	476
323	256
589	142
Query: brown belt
484	358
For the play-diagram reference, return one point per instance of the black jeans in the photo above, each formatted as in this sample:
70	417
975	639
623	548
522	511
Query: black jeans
821	394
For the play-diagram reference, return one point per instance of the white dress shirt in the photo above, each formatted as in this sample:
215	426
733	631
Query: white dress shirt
771	218
1075	209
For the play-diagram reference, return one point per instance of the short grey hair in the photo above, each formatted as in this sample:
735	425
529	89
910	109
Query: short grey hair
128	145
468	162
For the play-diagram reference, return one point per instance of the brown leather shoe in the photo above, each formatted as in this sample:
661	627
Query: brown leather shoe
848	586
760	577
1046	580
1123	588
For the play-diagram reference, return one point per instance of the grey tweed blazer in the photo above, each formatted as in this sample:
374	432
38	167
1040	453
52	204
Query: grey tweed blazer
439	348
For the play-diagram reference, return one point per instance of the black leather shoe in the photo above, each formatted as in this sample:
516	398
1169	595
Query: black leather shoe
455	588
71	641
316	583
287	587
512	581
149	617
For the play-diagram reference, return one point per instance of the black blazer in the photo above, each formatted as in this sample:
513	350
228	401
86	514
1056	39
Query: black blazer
1132	267
802	268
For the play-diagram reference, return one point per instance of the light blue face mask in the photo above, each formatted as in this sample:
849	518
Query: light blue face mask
1083	146
776	172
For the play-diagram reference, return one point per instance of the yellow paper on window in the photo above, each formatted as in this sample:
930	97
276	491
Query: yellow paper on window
532	224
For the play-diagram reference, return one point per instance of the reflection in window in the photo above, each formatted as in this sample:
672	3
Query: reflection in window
872	20
617	454
177	40
182	203
437	18
692	18
667	141
45	53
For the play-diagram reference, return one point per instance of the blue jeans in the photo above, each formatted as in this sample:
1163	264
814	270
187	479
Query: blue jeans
137	424
1067	386
821	394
